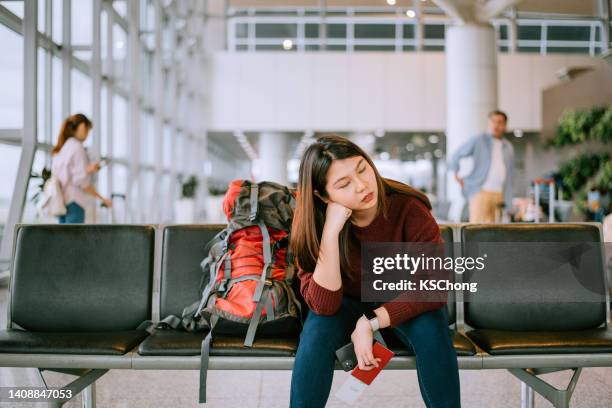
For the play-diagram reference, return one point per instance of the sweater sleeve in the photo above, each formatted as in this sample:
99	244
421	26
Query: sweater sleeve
320	300
420	227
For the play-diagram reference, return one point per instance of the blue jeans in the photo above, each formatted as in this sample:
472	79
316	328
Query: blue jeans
427	335
75	214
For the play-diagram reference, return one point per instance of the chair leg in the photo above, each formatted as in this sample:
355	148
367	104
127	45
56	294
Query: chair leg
559	398
527	400
89	396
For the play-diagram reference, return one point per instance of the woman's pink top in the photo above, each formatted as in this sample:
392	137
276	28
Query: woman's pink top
70	167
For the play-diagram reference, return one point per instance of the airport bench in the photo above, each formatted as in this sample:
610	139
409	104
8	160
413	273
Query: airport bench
80	296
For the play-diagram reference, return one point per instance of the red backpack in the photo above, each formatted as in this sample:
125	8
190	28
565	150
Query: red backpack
249	269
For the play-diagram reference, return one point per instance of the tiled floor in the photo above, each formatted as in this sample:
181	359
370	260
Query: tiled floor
270	389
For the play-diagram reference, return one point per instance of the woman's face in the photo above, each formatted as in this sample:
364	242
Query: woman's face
82	132
352	183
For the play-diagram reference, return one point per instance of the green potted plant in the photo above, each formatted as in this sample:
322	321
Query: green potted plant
184	208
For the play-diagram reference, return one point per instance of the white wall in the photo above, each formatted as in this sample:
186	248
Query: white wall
363	91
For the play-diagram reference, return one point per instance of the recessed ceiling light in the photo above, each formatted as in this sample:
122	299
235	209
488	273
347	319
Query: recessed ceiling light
433	139
287	44
518	133
384	156
411	13
391	2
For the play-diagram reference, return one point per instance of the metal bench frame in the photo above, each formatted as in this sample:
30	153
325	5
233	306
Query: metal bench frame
526	367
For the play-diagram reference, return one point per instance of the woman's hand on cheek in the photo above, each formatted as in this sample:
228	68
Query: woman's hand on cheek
362	338
336	216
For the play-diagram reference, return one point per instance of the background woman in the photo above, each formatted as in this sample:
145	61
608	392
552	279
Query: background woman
337	183
71	165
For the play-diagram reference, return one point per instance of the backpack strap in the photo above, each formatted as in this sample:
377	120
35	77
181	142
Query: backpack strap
250	335
239	279
254	197
269	306
205	357
227	272
267	254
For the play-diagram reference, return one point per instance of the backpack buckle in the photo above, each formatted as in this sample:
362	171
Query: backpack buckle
268	282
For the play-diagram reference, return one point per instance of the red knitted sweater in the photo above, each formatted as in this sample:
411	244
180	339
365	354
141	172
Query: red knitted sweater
409	220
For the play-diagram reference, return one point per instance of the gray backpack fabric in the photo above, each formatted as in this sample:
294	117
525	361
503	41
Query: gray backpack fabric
249	268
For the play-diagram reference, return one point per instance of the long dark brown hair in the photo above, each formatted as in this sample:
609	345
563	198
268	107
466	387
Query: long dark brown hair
69	128
309	215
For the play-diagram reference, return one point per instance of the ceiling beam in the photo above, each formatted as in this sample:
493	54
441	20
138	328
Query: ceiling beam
460	10
493	8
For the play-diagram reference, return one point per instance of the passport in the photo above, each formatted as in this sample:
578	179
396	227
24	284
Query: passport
379	351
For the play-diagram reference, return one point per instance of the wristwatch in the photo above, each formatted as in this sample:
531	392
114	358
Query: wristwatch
373	319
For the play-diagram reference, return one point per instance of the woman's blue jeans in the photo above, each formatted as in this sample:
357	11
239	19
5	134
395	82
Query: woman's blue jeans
427	335
75	214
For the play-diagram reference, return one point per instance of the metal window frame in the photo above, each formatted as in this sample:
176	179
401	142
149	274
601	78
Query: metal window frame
355	15
188	90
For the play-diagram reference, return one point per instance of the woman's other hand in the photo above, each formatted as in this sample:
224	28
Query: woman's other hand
93	167
362	338
107	203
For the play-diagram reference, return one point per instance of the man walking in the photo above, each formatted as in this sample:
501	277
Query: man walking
490	182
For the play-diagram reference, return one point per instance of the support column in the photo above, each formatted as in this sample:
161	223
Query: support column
471	83
272	159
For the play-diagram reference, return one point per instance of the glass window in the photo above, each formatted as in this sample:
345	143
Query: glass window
11	79
275	30
375	31
273	48
34	187
56	7
408	31
120	140
147	178
336	30
311	30
103	132
434	31
120	178
56	96
529	32
41	15
120	55
568	33
333	30
167	150
148	139
374	48
81	93
529	49
503	32
242	30
8	168
120	7
166	199
567	50
82	20
42	129
16	7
